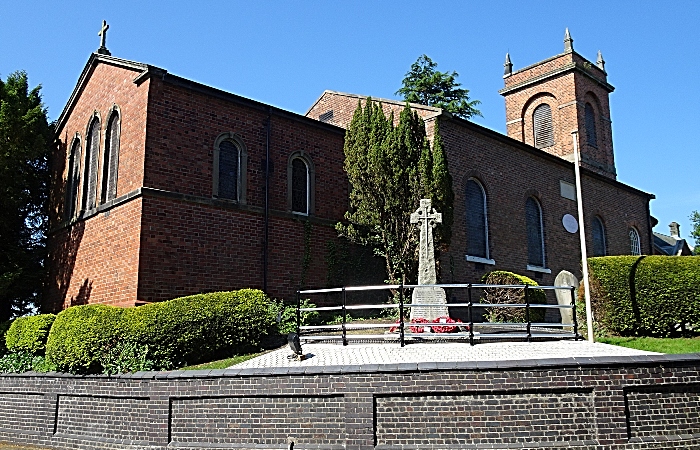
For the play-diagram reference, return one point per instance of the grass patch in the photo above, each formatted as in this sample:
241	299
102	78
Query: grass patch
223	363
660	345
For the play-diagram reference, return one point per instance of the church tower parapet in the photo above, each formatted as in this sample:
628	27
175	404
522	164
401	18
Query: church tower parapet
546	101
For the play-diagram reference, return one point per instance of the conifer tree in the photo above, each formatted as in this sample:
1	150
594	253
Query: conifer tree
425	85
25	137
390	168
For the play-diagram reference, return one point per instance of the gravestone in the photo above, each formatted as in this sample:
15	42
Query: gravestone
565	278
427	218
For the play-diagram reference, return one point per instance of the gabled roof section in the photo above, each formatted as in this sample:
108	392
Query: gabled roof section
96	58
436	111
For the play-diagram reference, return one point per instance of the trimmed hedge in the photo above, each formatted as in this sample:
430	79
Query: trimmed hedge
182	331
646	295
29	334
501	295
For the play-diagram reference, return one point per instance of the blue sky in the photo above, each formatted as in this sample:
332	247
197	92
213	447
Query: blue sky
287	52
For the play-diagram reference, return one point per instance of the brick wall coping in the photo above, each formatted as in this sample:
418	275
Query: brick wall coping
549	363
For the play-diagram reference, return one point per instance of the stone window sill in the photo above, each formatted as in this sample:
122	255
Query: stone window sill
538	269
478	259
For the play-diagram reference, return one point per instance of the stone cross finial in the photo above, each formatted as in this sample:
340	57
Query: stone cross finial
427	218
103	39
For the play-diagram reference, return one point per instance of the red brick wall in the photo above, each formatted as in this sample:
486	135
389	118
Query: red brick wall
204	244
509	175
96	259
189	247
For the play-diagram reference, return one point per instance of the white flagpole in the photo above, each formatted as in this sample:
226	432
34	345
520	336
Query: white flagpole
582	234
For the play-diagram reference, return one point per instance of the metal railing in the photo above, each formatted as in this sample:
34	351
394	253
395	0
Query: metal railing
528	333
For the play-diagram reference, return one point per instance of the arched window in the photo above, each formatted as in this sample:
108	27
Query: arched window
111	159
543	129
477	225
635	246
73	180
591	136
230	165
599	247
92	154
535	233
300	183
300	186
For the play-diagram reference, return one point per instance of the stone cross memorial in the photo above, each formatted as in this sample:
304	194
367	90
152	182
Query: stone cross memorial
427	218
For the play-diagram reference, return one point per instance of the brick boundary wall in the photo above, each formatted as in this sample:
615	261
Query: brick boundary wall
635	402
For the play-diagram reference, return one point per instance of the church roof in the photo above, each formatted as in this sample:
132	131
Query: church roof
671	246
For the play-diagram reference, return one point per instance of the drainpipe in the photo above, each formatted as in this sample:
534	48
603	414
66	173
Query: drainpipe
266	226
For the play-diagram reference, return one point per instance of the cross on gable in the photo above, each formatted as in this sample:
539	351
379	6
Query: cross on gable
103	38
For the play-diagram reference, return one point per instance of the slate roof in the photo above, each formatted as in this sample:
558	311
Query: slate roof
670	246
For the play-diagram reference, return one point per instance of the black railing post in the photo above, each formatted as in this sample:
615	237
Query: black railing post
527	314
345	339
573	310
401	329
471	317
298	313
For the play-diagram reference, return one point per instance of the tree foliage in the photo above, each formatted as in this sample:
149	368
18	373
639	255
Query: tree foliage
25	137
425	85
695	232
390	168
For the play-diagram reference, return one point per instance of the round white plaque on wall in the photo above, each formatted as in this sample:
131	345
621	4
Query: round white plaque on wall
570	223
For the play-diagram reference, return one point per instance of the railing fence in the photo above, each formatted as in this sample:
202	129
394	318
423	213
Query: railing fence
304	331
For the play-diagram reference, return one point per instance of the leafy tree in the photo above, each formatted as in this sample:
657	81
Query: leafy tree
25	136
695	232
425	85
390	168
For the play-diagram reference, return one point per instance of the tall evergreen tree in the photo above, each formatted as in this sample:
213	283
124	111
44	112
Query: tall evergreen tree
390	168
425	85
695	232
25	136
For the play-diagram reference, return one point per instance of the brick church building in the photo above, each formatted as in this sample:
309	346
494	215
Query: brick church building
165	187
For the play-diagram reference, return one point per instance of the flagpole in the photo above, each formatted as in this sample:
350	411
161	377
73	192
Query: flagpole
582	235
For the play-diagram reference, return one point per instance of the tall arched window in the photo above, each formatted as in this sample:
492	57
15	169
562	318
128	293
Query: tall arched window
111	159
542	124
599	245
635	246
300	186
300	183
477	225
92	154
535	233
591	136
73	180
229	163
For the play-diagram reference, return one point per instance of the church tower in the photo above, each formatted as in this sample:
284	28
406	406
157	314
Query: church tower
548	100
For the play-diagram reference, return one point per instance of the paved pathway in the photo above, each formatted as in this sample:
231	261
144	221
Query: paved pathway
366	354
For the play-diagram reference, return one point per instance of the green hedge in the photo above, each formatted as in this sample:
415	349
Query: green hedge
29	334
647	295
182	331
501	295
